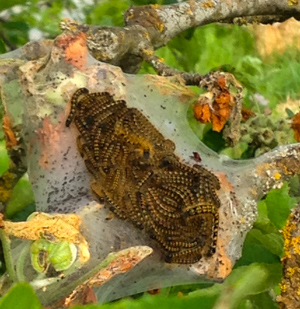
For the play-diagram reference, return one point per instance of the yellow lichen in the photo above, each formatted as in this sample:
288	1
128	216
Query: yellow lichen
155	6
277	176
5	194
254	192
146	35
148	52
283	287
160	27
286	233
296	245
243	220
208	4
8	178
6	186
290	271
293	2
130	15
290	289
262	168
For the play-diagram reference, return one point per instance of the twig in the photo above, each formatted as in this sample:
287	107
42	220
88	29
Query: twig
8	256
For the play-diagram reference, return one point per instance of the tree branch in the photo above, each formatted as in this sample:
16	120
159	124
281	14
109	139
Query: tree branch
152	26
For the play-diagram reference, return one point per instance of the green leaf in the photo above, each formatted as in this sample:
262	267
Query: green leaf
24	213
4	159
2	47
250	280
168	55
263	300
214	140
212	291
279	204
236	151
246	304
272	241
16	25
254	251
21	296
108	13
21	197
9	3
289	112
191	288
158	302
263	222
262	216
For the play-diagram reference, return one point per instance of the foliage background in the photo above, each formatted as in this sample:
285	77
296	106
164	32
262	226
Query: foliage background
269	82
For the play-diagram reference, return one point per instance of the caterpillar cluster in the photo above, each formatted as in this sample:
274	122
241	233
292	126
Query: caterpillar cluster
138	175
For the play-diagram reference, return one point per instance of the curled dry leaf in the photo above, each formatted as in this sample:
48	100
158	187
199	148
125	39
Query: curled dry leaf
247	113
215	106
296	126
53	227
115	263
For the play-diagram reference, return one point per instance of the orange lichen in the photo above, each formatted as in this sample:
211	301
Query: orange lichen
75	49
224	262
49	137
10	137
225	183
216	106
296	126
